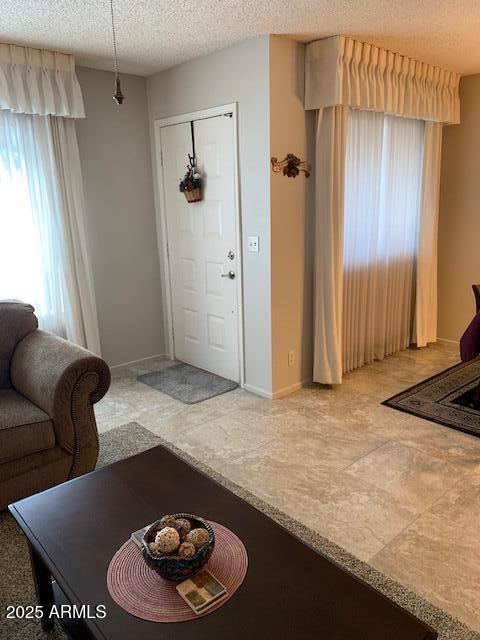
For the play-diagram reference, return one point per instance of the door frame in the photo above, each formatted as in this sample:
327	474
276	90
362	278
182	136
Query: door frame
161	220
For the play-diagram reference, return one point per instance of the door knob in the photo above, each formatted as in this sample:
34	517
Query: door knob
230	274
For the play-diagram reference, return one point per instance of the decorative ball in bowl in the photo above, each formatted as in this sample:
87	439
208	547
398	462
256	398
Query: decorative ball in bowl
178	545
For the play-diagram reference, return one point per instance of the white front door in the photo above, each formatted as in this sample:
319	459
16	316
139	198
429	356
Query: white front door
203	246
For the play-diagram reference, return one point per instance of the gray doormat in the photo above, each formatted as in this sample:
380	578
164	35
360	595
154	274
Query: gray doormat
187	384
447	398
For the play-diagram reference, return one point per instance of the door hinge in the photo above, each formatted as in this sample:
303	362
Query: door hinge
161	158
168	251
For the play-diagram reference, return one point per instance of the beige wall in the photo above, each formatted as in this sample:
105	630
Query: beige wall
459	224
236	74
115	156
292	131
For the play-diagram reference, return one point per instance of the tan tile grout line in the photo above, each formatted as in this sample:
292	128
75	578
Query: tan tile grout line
420	515
413	585
417	449
223	466
385	442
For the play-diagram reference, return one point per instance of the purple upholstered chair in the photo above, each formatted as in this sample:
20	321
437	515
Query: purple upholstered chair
470	341
476	293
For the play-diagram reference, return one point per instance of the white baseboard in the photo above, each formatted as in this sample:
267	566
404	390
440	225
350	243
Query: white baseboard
293	387
448	341
158	355
277	394
257	391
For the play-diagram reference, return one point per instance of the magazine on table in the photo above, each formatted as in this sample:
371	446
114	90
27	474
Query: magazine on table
137	536
201	591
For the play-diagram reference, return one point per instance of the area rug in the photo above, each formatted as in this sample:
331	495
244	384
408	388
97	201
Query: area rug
16	586
187	384
446	398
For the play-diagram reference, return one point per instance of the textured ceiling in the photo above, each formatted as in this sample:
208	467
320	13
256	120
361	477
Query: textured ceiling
156	34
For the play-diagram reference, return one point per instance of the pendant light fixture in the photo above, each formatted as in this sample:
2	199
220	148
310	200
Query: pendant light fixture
118	96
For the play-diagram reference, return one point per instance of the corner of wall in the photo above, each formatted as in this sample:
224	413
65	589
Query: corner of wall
291	215
459	219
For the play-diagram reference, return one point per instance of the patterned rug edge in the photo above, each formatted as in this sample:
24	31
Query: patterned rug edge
447	626
442	423
458	365
392	402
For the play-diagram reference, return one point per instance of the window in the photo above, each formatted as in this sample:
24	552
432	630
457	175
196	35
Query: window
31	242
383	174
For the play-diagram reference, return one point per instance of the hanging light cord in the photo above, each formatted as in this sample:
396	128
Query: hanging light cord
115	61
118	96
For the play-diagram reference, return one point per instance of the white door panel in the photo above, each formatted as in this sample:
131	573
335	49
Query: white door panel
200	237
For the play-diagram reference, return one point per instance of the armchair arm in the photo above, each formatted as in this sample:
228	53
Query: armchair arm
64	380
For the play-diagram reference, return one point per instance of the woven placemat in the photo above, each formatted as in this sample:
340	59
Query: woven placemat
143	593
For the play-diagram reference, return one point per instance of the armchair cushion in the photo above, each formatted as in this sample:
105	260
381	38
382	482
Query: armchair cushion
46	369
17	320
24	428
64	380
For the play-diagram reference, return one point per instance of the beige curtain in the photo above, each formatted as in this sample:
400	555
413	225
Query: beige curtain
383	175
329	202
375	292
42	192
81	312
426	294
341	70
342	74
39	82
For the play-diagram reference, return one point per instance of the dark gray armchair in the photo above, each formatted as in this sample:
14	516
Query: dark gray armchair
48	387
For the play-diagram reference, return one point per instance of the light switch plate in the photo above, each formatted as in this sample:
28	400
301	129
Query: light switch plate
253	244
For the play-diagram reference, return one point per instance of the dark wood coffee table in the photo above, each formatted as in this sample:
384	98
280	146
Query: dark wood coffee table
290	590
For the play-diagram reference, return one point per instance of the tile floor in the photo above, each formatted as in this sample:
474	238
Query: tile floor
396	491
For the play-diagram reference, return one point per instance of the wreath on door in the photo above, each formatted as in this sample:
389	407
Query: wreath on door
191	184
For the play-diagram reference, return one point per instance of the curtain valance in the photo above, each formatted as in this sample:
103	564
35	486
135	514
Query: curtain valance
39	82
344	71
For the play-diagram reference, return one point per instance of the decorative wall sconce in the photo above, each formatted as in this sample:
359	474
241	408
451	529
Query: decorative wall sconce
291	166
